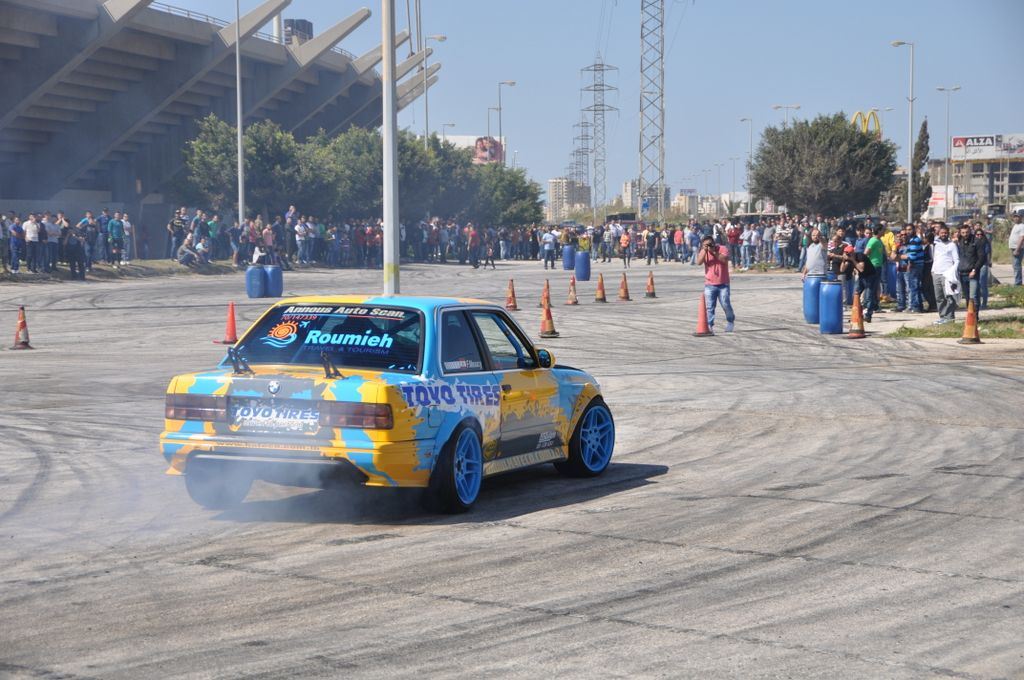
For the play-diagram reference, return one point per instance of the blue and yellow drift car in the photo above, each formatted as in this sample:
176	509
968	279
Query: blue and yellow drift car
394	391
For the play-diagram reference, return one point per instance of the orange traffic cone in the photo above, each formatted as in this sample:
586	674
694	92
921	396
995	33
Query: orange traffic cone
230	332
510	297
547	324
856	320
971	335
624	290
600	296
21	331
545	295
650	286
702	319
573	300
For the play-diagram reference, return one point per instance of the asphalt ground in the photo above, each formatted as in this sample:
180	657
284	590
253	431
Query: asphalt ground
780	504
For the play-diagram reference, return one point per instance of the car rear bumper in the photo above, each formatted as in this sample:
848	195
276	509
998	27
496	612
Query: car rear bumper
388	464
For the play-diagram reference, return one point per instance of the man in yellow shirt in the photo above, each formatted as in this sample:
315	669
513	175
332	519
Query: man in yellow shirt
889	241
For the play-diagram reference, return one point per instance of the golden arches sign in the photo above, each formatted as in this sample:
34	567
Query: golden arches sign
864	121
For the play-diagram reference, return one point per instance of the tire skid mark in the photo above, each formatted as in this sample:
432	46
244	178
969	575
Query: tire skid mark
746	552
581	617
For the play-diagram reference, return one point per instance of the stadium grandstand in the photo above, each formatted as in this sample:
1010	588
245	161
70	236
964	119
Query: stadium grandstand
100	96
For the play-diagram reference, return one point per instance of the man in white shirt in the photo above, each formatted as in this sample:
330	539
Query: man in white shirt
31	227
1017	247
945	261
548	241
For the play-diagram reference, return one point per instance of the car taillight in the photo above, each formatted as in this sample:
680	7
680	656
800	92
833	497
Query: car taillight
196	407
356	414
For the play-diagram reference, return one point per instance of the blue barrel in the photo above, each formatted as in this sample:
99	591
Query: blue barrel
582	266
812	289
568	257
255	282
830	308
273	281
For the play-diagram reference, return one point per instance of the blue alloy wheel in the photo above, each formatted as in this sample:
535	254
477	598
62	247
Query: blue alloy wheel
591	444
468	466
597	438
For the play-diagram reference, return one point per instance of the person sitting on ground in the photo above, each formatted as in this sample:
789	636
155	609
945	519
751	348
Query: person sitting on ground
203	250
187	255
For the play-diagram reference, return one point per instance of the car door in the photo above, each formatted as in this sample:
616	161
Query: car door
529	394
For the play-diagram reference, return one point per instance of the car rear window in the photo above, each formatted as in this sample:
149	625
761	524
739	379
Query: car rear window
355	336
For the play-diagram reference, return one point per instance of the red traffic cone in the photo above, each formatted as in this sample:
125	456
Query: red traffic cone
545	295
650	286
510	297
21	331
230	332
702	319
573	300
856	320
547	324
971	335
624	290
600	295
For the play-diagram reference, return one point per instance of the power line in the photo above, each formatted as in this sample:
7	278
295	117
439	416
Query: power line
651	179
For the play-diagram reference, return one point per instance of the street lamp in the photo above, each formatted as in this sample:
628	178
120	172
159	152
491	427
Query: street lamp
910	131
515	158
733	191
443	127
489	109
426	105
788	108
945	176
238	106
501	138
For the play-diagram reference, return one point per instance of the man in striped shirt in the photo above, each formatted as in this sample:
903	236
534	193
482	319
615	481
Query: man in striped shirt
913	255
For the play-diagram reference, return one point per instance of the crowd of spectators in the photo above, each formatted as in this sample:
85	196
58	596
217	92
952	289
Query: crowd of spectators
916	265
44	240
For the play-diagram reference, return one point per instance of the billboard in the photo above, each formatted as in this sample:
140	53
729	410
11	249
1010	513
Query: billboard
486	149
989	147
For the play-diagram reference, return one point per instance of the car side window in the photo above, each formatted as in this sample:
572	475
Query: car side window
506	349
459	351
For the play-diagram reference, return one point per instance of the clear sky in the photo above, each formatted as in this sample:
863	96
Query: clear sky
725	59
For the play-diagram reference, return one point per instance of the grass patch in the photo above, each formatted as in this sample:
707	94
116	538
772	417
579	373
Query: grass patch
1011	327
1003	296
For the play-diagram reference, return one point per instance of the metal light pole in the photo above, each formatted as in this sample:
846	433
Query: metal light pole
946	190
501	138
444	138
426	105
489	109
718	198
389	132
733	190
788	108
910	132
238	105
515	158
750	159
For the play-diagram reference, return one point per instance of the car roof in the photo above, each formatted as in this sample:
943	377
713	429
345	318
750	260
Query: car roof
422	303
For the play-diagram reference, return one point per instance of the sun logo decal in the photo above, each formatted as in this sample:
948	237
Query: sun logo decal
282	335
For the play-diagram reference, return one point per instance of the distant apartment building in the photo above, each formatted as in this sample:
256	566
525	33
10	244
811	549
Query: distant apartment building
565	196
629	196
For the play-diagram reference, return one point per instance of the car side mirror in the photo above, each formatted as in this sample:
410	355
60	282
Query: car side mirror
545	358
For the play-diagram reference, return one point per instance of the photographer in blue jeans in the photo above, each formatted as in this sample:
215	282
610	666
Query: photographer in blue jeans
716	281
867	281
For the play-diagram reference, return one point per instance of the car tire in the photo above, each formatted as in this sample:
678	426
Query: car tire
455	482
216	486
592	442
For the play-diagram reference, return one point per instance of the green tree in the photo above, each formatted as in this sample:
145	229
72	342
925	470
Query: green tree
456	179
359	157
505	197
824	165
271	160
210	165
417	177
922	182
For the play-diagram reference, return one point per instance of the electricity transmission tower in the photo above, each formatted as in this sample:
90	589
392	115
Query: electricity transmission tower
581	154
597	109
651	181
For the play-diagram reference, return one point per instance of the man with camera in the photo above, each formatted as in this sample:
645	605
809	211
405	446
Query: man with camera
715	259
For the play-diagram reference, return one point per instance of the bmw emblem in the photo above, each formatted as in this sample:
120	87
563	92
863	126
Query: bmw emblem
273	387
